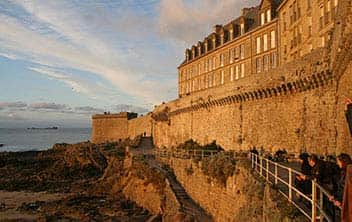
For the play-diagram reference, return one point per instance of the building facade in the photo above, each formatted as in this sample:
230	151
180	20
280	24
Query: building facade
261	39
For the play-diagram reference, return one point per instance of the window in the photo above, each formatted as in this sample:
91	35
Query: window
273	60
242	70
231	73
284	21
268	15
232	54
231	34
265	46
258	45
272	39
328	9
242	51
237	52
199	66
210	65
321	21
259	65
206	65
221	59
222	76
237	72
266	62
242	29
214	63
262	20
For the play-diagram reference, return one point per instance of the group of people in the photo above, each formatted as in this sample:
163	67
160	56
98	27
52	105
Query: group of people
330	175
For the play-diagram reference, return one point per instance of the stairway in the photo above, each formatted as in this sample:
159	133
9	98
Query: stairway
188	205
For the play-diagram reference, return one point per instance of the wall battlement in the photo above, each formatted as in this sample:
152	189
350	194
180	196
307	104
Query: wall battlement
298	106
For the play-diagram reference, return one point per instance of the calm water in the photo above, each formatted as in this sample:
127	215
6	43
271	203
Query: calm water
24	139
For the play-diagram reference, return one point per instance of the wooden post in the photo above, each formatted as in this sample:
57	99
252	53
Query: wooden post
276	173
321	204
314	199
252	159
267	169
261	166
290	184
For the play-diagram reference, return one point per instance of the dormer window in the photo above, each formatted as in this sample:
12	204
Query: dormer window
206	46
222	39
268	15
231	34
262	18
199	50
242	28
214	43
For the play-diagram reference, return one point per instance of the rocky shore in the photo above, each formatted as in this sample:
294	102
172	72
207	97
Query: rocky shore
80	182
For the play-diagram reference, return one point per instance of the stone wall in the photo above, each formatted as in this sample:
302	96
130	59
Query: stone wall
113	127
235	202
139	126
293	107
109	128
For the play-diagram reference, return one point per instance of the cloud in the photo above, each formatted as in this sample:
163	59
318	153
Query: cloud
187	22
9	105
73	43
129	108
11	116
88	110
49	106
9	56
75	84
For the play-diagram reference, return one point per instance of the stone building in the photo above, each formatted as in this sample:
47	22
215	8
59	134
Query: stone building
261	39
276	77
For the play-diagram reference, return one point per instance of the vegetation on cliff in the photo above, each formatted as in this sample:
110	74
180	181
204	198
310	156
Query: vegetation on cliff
220	167
142	170
193	145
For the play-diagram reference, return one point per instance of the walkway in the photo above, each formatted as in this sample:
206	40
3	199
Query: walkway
282	175
188	205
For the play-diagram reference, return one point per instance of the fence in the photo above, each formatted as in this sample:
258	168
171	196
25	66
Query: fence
283	177
185	154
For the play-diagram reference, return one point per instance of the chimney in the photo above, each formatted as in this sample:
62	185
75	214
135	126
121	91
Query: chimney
217	28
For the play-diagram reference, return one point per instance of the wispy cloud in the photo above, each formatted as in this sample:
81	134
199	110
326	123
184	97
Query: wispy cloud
190	21
9	56
88	110
19	104
49	106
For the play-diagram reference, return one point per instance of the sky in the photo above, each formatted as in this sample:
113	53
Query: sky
62	61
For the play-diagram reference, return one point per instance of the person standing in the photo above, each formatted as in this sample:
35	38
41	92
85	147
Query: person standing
346	212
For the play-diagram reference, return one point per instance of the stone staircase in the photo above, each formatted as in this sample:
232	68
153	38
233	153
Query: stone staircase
188	205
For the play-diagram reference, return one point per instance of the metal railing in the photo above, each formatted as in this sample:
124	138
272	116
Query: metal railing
185	154
283	177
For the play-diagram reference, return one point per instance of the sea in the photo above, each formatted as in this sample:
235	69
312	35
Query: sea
40	139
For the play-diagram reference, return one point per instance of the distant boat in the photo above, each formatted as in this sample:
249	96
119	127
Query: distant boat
46	128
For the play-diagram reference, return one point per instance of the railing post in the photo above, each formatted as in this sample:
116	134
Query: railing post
261	166
314	198
290	184
321	204
267	169
275	173
252	159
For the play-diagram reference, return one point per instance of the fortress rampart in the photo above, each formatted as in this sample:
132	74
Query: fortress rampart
298	106
113	127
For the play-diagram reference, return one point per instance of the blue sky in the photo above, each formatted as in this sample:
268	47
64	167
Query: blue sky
62	61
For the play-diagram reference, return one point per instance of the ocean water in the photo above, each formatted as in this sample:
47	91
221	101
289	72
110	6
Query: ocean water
40	139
